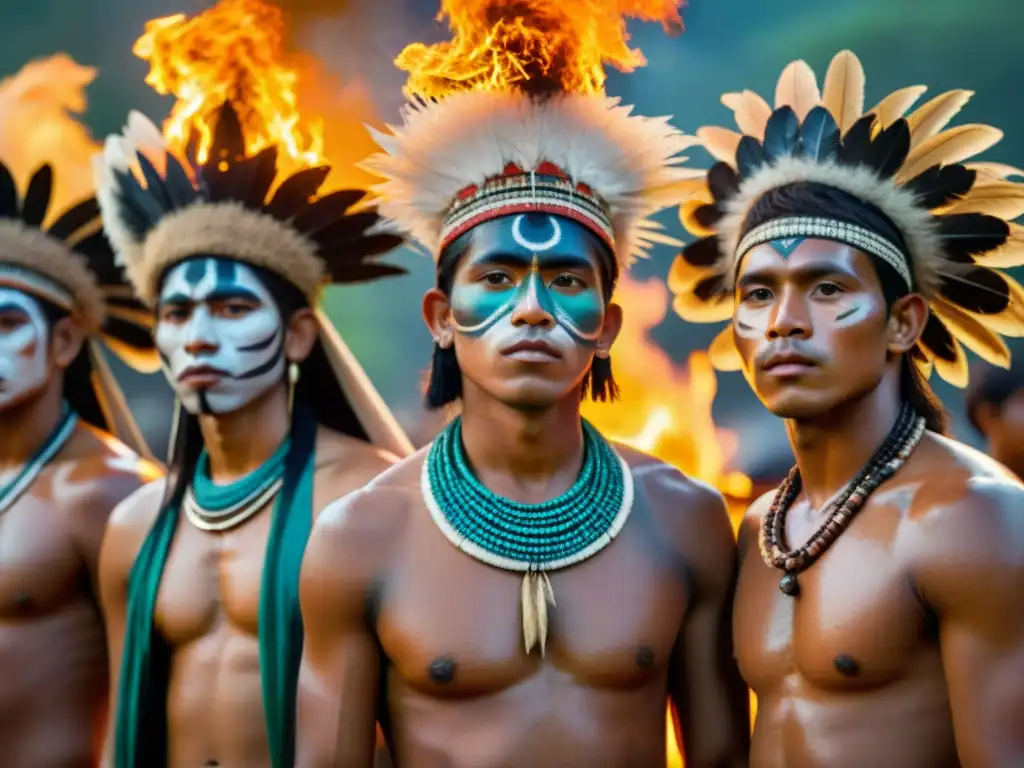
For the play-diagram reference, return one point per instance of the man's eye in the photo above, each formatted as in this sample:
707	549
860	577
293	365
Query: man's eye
829	289
10	323
568	281
758	294
237	308
497	278
174	314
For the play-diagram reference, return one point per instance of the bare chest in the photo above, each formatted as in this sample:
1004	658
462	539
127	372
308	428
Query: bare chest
856	622
40	567
452	626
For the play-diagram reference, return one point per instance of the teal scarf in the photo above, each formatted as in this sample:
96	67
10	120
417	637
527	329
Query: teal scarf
141	713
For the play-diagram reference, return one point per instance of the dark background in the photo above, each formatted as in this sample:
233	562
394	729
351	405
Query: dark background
727	45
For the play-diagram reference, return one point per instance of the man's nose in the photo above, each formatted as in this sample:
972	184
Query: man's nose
533	306
790	316
200	339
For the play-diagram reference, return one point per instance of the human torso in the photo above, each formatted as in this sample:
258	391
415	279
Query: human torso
460	689
53	664
207	613
849	673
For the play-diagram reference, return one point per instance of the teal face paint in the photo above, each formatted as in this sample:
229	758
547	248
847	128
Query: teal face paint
530	260
785	247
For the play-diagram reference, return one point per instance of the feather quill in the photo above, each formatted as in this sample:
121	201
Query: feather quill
843	91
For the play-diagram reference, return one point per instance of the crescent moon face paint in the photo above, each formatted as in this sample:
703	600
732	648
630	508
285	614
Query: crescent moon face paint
220	335
23	346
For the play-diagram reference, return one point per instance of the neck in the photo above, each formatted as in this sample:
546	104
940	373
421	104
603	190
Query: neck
831	448
239	442
527	454
24	427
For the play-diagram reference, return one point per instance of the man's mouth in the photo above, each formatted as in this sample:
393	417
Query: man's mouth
201	376
532	351
788	363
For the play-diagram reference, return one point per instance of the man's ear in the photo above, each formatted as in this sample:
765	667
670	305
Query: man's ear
437	314
907	319
66	339
610	330
300	335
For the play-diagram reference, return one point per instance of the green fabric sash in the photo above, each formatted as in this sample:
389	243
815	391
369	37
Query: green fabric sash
141	711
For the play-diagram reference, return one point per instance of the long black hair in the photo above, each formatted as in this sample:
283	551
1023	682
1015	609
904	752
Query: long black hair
812	199
444	381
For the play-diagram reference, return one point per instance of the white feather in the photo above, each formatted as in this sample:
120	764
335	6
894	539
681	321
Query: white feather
441	148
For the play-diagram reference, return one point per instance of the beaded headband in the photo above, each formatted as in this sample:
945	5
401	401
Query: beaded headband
955	220
547	189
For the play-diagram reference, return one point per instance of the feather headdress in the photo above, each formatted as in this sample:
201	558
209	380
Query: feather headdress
954	220
160	210
510	117
70	264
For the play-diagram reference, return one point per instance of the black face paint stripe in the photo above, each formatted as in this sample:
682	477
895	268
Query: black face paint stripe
259	346
846	314
204	403
261	369
744	326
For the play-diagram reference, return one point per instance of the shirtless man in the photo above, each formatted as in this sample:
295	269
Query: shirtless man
588	583
61	474
278	420
879	615
995	407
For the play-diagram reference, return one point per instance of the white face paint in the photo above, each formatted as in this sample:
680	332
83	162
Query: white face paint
23	343
219	334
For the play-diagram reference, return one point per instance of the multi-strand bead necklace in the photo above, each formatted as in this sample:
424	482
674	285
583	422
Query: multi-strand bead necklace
12	491
529	538
893	454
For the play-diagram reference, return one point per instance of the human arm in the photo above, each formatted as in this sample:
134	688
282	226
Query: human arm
969	569
339	678
129	524
705	687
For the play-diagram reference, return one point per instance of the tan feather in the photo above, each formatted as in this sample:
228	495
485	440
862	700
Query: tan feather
953	372
952	146
720	143
690	223
843	91
895	105
751	112
935	114
1003	199
684	276
723	352
798	88
543	594
1009	254
143	361
972	333
693	310
925	366
993	171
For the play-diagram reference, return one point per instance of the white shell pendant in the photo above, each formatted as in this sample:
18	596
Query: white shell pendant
537	593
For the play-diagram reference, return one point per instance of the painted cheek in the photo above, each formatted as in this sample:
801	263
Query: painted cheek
581	314
850	311
476	308
751	322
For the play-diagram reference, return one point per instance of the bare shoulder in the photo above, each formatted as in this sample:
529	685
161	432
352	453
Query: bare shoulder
690	514
347	463
750	526
362	528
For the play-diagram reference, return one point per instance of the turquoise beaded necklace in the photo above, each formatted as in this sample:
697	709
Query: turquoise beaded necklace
530	538
212	507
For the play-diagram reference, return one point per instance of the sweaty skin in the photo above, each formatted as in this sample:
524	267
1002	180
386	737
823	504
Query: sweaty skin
403	626
53	663
905	646
207	609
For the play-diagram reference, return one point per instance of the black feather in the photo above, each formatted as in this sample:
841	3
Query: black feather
100	257
857	141
711	289
37	196
939	340
749	156
264	170
154	183
128	333
889	149
116	299
941	184
178	185
8	195
971	233
977	289
344	228
723	181
228	142
702	253
360	272
74	218
296	191
192	147
350	251
707	215
326	210
139	212
819	135
782	134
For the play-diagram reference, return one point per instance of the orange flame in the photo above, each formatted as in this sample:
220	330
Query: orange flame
233	52
536	45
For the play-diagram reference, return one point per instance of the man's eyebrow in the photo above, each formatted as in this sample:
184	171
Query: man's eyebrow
227	293
769	276
10	306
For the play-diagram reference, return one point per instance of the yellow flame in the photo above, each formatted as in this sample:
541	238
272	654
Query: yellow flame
543	44
233	52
